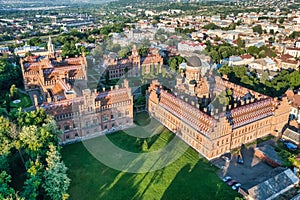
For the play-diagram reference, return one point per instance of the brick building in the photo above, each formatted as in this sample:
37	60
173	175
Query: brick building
134	65
214	131
59	86
93	113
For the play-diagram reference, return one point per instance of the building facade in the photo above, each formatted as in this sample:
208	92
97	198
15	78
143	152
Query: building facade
134	65
93	113
59	86
214	131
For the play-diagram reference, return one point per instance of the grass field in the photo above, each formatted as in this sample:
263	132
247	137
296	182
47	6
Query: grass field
189	177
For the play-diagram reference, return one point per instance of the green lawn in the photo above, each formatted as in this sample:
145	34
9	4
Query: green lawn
189	177
25	102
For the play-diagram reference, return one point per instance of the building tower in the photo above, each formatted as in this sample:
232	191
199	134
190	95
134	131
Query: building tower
50	48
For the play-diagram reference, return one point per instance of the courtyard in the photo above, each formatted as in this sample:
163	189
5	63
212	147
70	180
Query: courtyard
188	177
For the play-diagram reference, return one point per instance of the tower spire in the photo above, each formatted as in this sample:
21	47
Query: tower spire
50	47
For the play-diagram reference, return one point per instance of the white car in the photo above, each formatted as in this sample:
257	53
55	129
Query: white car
227	178
236	186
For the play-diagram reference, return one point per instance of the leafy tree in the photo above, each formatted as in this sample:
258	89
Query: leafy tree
294	34
215	56
257	29
13	92
9	75
55	177
5	189
35	41
225	70
145	146
240	43
31	187
173	64
211	26
253	50
264	77
124	52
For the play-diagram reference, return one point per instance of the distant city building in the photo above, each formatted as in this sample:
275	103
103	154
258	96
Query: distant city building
190	46
35	50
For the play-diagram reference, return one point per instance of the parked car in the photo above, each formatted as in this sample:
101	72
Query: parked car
227	178
232	182
236	186
226	158
291	146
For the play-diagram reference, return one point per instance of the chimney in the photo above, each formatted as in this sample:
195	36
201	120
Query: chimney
216	110
247	101
198	106
205	110
224	108
229	107
193	103
252	100
117	87
234	105
186	99
242	102
36	104
103	89
111	88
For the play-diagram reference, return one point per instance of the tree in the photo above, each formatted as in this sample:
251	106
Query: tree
9	75
5	189
215	56
173	64
240	43
253	50
257	29
264	77
31	187
13	92
124	52
145	146
55	177
225	70
36	41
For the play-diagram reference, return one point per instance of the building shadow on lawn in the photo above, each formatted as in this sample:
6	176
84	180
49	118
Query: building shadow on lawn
198	182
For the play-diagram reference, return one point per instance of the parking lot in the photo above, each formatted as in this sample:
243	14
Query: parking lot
252	172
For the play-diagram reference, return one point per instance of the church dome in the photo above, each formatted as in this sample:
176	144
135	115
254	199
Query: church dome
194	61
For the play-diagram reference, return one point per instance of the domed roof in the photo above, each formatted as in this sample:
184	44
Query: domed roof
194	61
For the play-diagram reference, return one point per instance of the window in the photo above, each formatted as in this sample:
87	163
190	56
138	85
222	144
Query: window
113	125
104	118
105	127
95	121
67	127
119	114
74	125
67	137
87	124
126	112
76	135
112	117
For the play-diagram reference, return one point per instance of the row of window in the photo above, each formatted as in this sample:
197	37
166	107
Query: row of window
252	127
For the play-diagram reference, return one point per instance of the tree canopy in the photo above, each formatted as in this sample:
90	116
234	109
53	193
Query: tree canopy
32	138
